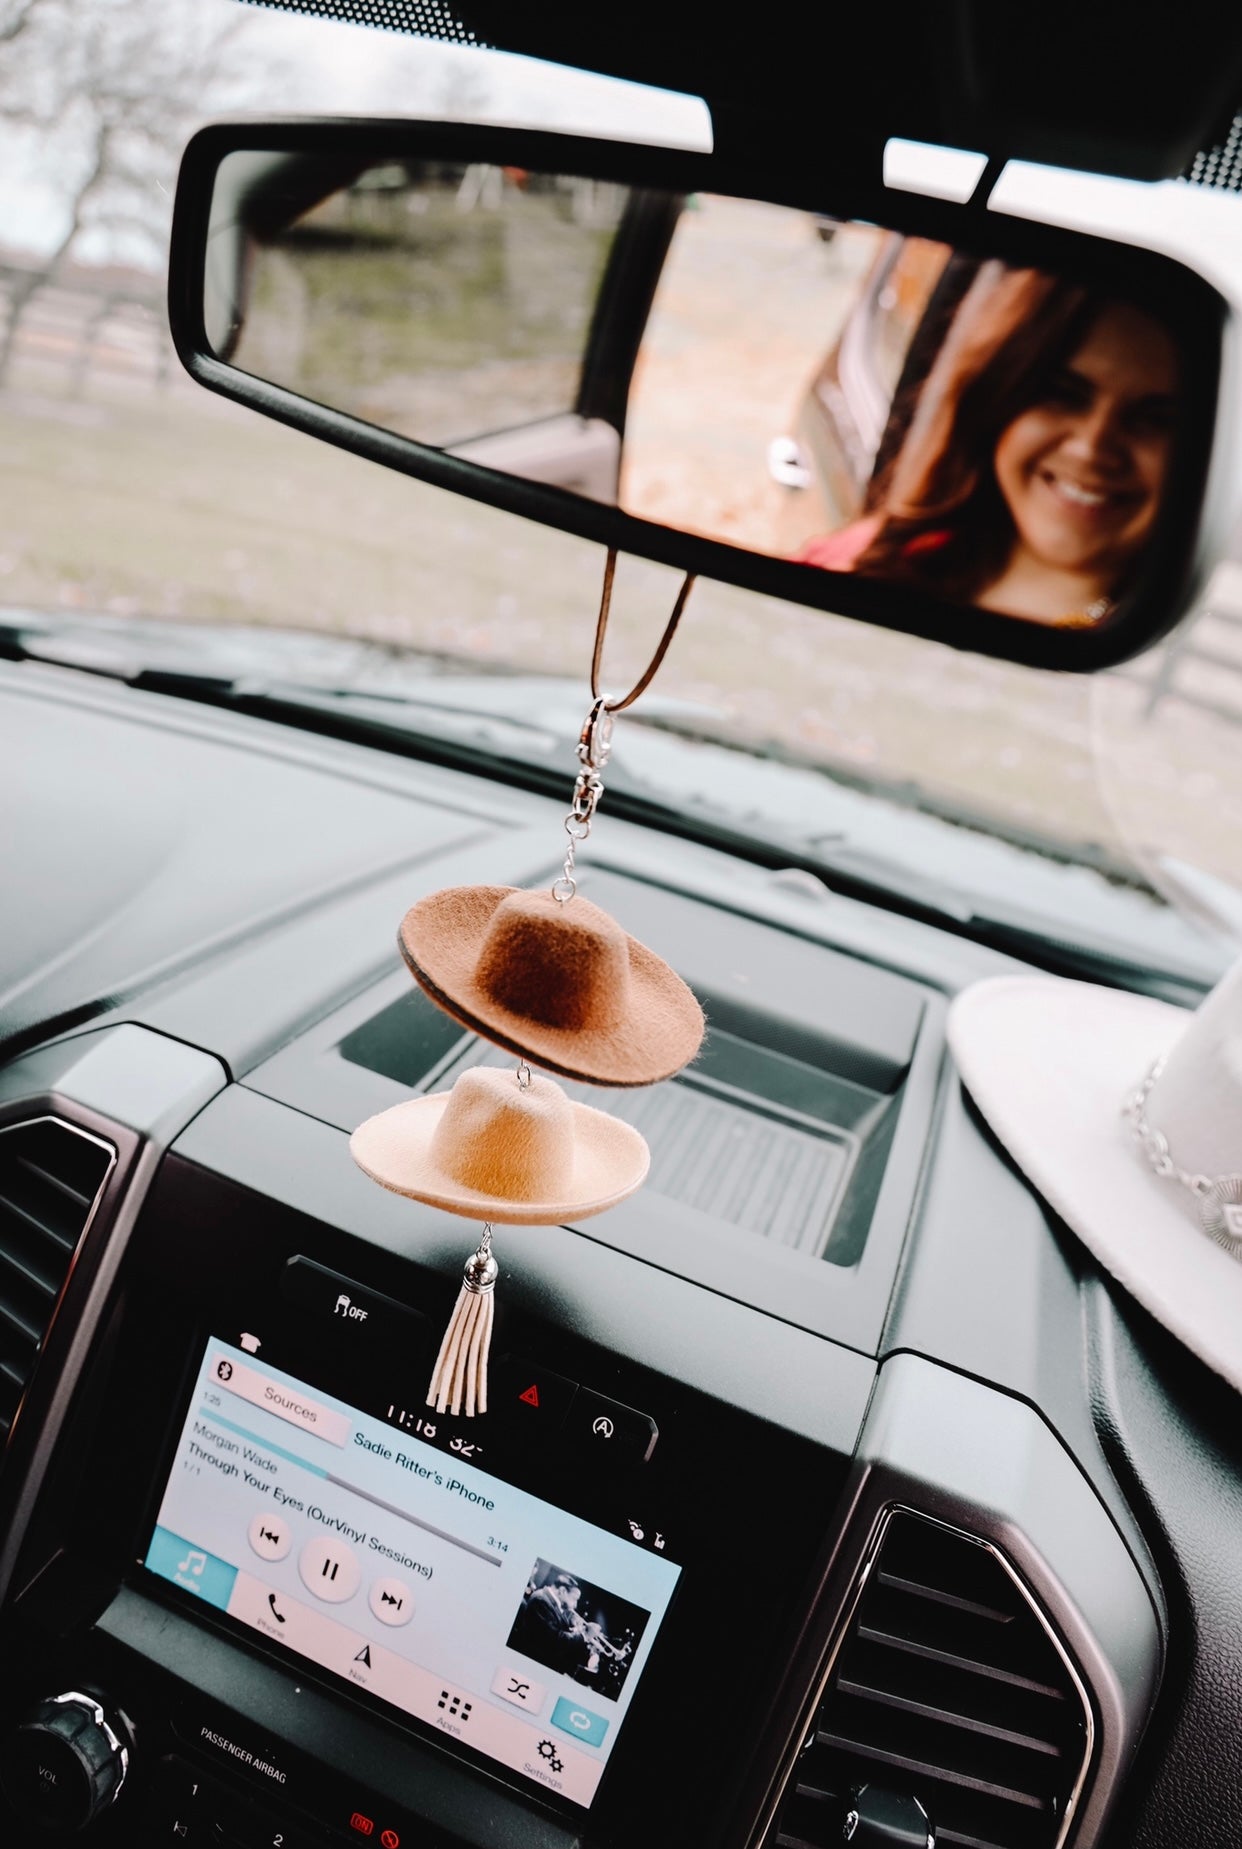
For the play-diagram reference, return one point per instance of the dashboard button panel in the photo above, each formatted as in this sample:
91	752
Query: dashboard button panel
188	1808
349	1311
528	1396
609	1431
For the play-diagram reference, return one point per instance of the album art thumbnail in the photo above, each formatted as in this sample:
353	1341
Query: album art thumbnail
578	1629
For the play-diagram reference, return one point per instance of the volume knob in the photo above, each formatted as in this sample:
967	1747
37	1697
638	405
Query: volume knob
65	1764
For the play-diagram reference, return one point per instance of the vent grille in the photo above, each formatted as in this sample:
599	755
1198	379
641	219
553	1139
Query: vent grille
50	1178
948	1686
731	1155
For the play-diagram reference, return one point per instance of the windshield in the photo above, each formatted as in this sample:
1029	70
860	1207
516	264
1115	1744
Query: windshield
130	495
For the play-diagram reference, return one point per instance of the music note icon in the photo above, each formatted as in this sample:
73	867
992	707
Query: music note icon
194	1562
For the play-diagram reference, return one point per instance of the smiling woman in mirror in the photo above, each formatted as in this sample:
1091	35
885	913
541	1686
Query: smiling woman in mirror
1030	474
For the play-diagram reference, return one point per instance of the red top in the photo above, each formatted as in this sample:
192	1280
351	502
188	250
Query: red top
841	551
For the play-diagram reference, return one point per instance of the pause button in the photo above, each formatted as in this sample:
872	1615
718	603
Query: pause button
330	1570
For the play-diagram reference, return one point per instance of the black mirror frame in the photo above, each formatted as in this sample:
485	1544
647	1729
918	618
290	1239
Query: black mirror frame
1191	306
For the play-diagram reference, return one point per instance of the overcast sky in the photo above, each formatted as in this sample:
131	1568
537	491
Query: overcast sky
344	69
297	65
319	66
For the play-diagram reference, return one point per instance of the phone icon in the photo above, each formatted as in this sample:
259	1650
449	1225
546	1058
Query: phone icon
278	1615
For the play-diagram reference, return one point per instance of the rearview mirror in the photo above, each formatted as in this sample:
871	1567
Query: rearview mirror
936	418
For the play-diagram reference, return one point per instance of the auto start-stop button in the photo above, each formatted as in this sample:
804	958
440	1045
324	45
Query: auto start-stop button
353	1316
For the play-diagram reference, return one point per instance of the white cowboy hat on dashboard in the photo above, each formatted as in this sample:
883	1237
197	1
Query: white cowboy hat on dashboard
1126	1115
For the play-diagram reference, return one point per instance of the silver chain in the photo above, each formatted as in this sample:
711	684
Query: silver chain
1154	1143
594	749
1219	1197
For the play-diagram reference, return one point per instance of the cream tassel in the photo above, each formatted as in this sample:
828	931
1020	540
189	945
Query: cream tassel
460	1372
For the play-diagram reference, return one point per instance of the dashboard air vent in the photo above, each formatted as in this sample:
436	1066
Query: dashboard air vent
948	1686
50	1178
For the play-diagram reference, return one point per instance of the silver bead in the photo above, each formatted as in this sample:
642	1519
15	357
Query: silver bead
481	1272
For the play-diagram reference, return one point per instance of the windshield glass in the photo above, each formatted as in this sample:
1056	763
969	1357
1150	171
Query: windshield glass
131	494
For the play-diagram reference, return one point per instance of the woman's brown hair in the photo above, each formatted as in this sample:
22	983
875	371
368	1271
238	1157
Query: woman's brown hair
943	521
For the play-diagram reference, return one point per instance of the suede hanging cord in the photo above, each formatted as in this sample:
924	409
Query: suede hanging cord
662	646
595	740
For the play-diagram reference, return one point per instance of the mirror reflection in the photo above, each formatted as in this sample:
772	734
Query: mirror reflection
826	392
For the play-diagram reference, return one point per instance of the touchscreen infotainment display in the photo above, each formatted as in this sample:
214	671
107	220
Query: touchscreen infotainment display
514	1626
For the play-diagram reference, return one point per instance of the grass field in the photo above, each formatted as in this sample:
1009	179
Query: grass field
175	504
444	324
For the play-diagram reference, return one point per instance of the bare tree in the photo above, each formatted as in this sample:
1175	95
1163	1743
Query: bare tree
102	94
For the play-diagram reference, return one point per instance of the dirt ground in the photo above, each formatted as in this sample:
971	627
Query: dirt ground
750	302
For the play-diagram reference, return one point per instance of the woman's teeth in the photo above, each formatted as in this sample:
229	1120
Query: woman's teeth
1078	495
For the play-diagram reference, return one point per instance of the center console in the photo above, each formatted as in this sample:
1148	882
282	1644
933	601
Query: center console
283	1602
768	1453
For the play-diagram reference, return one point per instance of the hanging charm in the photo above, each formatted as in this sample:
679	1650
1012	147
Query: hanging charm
563	985
459	1378
507	1149
558	983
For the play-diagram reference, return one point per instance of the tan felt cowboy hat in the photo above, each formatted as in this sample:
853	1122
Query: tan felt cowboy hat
495	1149
561	984
1126	1114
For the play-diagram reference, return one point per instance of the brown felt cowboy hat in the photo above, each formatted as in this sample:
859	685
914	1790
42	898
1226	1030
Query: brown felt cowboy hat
497	1148
561	984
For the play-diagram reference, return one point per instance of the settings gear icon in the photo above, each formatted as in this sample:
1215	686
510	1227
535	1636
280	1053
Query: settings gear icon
547	1750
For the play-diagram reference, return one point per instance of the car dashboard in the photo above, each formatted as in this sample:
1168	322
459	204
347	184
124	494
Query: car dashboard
898	1510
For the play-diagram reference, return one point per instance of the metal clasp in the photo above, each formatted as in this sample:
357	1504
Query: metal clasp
595	738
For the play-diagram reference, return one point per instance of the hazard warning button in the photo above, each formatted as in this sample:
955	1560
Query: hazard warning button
523	1392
